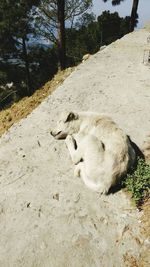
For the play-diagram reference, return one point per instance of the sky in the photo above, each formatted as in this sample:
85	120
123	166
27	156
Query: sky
124	9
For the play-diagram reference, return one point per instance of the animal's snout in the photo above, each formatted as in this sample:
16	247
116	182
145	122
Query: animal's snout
58	135
51	132
54	134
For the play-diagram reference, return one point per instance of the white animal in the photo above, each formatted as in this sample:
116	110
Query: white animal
101	151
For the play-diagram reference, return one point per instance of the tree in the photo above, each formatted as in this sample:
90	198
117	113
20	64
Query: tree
7	43
134	14
61	33
50	21
43	64
88	37
109	34
85	20
114	2
15	28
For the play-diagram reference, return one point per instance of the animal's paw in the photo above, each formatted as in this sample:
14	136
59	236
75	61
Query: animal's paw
103	190
77	171
68	140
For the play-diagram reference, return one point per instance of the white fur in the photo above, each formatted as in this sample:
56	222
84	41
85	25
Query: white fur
103	154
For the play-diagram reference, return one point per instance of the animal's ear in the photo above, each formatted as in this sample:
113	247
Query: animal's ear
71	116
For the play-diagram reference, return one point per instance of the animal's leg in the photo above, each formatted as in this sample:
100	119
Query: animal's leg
103	189
106	185
74	153
77	169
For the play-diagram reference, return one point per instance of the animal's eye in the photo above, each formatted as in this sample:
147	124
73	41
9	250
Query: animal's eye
71	116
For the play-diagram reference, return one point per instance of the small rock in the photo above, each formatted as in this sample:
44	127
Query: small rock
56	196
28	204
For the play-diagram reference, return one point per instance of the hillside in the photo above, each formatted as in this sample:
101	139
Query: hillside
49	218
24	107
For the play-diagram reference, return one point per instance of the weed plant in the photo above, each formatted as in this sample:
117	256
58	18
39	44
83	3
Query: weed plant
138	182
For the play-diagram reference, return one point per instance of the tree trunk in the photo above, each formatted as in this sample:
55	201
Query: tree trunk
28	79
133	14
61	33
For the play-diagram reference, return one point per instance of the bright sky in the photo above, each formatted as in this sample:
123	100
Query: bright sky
124	9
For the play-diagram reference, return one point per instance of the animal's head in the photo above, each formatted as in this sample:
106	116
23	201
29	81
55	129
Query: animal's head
68	123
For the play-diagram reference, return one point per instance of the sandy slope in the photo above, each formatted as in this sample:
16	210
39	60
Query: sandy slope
23	107
47	217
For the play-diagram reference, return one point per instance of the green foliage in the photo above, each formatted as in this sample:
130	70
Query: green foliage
15	22
138	182
3	77
112	26
43	65
114	2
133	19
46	19
89	34
85	20
29	67
7	95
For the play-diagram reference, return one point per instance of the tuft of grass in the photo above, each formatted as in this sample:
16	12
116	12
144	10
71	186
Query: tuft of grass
138	182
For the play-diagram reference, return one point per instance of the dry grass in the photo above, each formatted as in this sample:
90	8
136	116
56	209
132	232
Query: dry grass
22	108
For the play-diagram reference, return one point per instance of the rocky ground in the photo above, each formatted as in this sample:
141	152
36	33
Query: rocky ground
49	218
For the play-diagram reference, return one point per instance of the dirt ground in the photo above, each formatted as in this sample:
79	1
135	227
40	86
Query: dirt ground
25	106
42	201
144	260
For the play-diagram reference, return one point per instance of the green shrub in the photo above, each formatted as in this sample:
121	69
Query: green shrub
138	182
7	95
